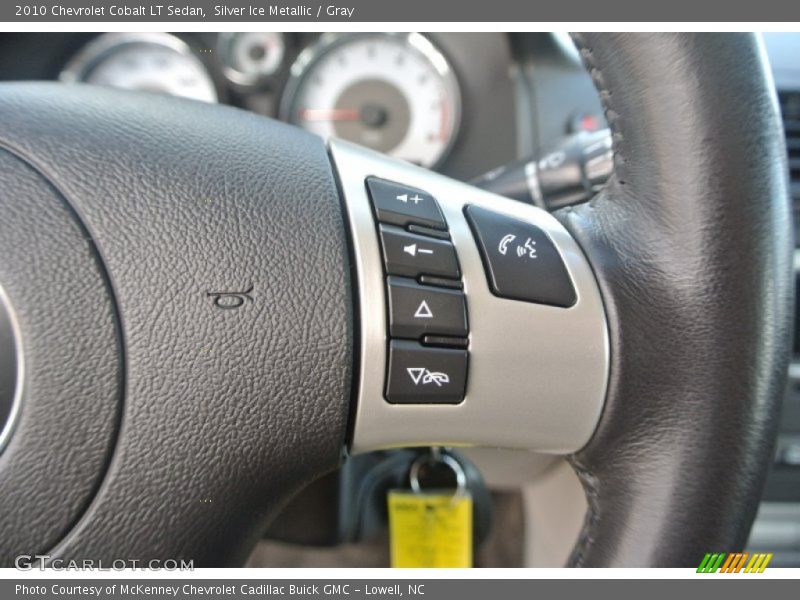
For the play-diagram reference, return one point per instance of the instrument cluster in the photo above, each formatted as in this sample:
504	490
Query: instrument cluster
394	92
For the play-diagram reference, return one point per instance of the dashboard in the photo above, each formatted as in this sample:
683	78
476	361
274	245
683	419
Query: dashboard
443	101
395	93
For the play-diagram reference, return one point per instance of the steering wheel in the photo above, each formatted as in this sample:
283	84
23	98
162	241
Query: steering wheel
202	310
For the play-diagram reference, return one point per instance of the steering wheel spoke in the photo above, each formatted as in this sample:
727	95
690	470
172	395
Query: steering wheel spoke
527	375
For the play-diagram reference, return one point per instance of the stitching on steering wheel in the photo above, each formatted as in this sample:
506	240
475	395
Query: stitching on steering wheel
588	480
612	116
585	538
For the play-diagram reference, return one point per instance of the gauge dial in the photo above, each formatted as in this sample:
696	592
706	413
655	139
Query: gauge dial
393	93
152	62
251	56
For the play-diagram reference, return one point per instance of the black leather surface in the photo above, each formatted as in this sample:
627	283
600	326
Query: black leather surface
72	372
691	242
227	412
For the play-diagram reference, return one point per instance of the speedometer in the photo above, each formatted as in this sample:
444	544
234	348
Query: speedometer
152	62
394	93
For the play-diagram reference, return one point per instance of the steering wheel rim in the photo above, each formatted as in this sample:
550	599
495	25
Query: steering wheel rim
212	422
699	294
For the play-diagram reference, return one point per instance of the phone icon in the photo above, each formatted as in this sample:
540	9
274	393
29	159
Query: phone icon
503	246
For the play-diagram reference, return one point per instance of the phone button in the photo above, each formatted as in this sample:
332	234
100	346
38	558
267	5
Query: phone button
420	375
520	260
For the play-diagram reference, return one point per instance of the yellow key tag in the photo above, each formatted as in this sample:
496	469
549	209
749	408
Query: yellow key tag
430	529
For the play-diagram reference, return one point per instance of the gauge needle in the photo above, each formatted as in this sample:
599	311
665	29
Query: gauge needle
332	114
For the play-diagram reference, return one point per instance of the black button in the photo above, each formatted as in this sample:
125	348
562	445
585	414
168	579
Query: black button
413	255
419	375
416	310
521	262
403	205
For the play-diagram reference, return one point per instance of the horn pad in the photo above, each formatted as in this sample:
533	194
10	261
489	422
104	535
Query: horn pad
65	418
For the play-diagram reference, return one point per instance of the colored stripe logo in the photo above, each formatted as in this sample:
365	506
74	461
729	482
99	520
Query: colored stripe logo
734	562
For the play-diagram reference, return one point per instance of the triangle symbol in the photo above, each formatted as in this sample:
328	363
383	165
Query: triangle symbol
416	374
403	197
424	311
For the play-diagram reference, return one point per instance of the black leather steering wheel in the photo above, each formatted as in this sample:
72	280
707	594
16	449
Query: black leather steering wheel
181	287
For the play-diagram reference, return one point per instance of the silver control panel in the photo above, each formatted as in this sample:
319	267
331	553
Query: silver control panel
535	355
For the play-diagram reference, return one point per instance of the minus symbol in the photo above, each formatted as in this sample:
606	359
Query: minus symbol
425	251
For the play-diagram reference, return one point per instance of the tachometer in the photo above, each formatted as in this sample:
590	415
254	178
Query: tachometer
251	56
155	62
393	93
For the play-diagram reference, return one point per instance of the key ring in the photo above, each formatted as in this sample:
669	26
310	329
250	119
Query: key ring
436	455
